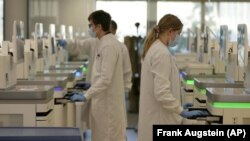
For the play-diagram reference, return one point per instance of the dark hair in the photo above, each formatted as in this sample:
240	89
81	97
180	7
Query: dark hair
114	25
101	17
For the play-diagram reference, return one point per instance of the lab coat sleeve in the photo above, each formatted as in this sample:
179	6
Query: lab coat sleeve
127	71
161	69
84	46
109	62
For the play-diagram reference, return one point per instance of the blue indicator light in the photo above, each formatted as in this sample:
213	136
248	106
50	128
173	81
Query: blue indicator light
58	89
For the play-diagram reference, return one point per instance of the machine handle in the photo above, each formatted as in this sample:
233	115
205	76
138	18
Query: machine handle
61	101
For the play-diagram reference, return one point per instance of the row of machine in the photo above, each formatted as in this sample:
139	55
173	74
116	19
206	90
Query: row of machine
36	81
215	76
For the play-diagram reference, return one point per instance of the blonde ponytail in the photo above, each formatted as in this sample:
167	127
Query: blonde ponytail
152	36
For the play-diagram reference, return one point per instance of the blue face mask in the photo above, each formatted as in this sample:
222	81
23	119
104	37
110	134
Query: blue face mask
174	42
91	32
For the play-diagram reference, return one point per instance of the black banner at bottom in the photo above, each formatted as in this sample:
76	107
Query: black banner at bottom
201	132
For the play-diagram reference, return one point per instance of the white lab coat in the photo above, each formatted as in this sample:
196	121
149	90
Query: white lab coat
106	93
159	92
88	47
127	76
127	70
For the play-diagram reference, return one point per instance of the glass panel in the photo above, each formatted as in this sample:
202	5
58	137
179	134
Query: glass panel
1	21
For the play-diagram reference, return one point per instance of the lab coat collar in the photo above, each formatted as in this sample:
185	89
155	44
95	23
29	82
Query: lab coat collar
109	35
163	46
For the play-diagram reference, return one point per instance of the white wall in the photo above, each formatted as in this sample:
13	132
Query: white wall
67	12
70	13
75	13
14	10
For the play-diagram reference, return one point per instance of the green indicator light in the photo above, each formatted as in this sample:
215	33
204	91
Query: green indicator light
190	82
202	91
230	105
84	69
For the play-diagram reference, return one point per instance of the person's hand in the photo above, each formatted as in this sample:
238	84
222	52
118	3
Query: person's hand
62	43
85	86
187	105
193	113
78	97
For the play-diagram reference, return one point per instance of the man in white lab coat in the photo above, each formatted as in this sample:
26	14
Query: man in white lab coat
89	46
106	91
127	71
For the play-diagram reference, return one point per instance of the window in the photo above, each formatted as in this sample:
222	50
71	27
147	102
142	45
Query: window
239	15
190	15
126	14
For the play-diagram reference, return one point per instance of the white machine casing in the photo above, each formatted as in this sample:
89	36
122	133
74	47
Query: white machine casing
20	72
8	67
25	114
62	55
29	59
39	61
49	58
183	58
232	115
199	69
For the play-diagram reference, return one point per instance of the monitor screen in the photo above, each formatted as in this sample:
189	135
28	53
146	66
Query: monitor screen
223	41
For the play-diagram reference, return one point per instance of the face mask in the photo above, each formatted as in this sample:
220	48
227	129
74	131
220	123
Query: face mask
174	42
91	32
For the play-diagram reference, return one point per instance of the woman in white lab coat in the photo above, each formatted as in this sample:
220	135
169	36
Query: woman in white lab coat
106	91
160	82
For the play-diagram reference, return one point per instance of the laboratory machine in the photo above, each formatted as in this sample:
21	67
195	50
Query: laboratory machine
231	105
213	66
234	73
22	105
